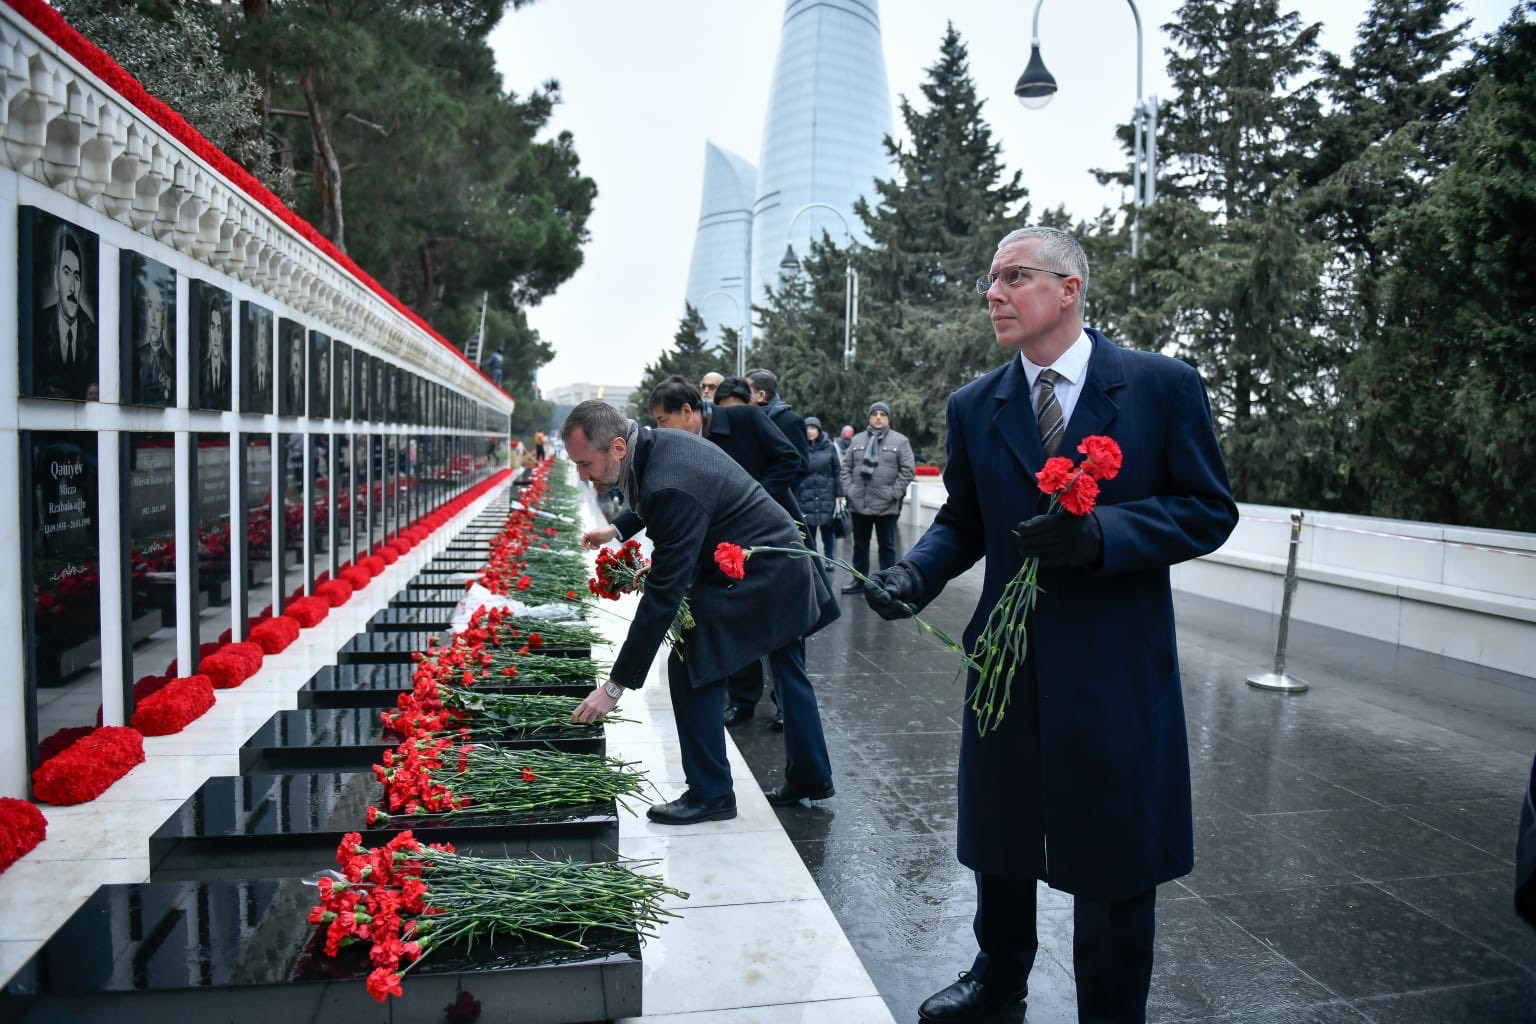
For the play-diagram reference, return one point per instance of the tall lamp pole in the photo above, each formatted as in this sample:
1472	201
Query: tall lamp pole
850	276
1036	86
741	335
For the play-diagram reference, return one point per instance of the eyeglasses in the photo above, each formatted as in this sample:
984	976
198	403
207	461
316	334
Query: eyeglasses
1012	277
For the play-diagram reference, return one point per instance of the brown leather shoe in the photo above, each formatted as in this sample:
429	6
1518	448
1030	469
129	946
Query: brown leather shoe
968	1000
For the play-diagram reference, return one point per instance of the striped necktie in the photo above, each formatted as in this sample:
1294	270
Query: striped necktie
1048	413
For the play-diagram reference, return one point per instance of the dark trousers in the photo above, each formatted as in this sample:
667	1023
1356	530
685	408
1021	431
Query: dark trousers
701	730
884	528
1111	947
744	689
828	539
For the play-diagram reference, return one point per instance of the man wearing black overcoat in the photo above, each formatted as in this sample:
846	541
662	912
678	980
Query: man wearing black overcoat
693	497
1085	784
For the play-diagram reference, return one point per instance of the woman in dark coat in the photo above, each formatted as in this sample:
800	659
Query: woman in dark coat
820	488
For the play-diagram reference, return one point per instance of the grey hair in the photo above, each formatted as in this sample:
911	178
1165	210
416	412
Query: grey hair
598	422
1059	251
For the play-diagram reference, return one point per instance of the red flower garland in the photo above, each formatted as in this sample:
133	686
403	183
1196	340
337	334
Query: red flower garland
375	564
63	739
231	665
355	576
22	826
89	766
170	708
335	592
274	635
308	612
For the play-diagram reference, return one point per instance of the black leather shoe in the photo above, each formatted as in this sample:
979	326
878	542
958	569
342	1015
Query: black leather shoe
776	723
970	1000
687	809
738	713
853	588
790	793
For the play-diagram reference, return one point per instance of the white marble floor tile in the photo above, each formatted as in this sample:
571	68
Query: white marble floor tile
727	869
751	955
866	1010
169	776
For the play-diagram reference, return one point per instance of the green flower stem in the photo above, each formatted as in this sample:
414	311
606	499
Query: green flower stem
529	713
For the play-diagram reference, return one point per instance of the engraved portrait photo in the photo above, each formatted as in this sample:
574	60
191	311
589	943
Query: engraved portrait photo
290	360
361	361
319	375
148	326
57	263
211	308
256	358
343	381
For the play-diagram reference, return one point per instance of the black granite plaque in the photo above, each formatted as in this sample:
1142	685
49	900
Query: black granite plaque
257	358
291	365
211	503
149	523
56	307
380	686
63	568
258	521
147	327
243	950
343	361
320	385
362	364
261	825
391	620
321	506
212	365
295	572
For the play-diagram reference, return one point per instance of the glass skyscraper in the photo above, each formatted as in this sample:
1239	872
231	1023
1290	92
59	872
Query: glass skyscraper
829	111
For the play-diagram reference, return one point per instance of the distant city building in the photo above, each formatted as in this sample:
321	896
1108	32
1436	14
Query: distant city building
719	277
823	140
568	396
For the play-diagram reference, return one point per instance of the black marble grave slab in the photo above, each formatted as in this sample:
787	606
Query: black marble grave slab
243	951
353	739
385	648
260	825
380	686
391	620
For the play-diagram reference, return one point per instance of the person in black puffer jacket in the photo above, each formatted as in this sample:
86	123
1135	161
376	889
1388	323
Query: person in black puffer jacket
821	488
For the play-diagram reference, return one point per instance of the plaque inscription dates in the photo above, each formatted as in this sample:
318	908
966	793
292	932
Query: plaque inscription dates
57	308
63	563
213	363
257	382
147	328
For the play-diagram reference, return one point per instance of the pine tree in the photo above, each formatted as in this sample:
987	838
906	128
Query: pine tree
933	228
1228	277
690	355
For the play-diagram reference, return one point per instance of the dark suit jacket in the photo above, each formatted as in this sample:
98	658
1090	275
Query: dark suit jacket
210	397
1090	764
53	379
692	496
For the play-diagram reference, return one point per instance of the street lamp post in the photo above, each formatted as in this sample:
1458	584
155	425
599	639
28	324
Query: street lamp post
1036	86
850	276
741	335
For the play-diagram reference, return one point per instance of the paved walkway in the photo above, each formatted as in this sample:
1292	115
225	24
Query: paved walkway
1354	844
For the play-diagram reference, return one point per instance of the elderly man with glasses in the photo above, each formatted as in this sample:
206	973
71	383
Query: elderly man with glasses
1085	783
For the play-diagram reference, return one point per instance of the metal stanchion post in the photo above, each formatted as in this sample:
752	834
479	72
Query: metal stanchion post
1278	680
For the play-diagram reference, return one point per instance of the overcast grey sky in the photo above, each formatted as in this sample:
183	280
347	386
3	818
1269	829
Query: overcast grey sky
644	85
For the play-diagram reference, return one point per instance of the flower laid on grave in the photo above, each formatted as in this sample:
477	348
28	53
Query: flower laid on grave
232	664
335	592
434	775
307	611
84	769
1004	640
405	900
623	571
171	707
274	635
22	827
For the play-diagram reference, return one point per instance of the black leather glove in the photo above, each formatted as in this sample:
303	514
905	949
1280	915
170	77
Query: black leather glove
894	593
1061	539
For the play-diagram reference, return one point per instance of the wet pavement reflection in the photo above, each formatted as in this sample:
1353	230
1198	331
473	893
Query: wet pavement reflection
1354	845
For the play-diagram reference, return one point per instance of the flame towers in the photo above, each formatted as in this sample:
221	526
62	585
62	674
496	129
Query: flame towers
829	111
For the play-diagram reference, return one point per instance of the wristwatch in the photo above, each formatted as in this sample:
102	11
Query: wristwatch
613	689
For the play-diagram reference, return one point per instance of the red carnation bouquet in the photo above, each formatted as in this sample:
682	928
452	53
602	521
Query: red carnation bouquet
84	769
406	899
171	707
623	571
22	826
1004	641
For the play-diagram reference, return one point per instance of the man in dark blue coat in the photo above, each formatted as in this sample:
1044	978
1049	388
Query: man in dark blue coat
692	497
1085	784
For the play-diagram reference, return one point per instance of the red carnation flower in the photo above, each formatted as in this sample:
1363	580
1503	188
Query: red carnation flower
1055	474
1104	457
731	560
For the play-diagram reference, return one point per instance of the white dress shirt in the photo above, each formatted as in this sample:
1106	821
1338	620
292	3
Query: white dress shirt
1073	367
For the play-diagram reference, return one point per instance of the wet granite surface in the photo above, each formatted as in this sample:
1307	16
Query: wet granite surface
1354	844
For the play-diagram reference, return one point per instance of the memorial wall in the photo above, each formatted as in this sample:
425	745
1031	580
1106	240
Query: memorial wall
205	409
